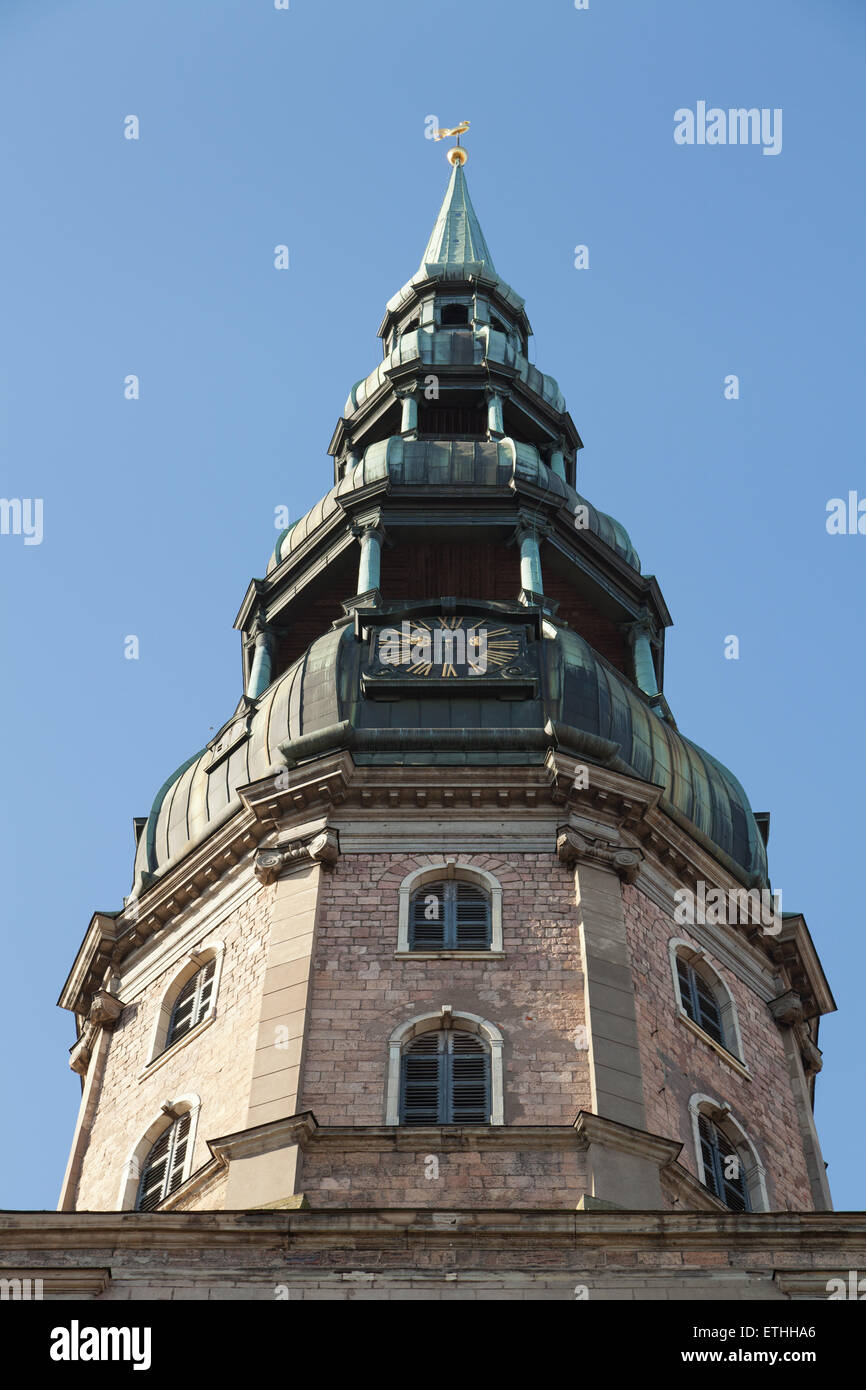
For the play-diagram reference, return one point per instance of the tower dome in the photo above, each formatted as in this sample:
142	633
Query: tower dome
485	454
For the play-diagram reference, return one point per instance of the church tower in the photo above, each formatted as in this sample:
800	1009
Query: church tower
450	918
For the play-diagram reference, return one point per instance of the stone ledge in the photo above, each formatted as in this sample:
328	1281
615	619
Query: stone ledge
828	1233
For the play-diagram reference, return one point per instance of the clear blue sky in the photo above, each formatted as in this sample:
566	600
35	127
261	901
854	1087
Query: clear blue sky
306	127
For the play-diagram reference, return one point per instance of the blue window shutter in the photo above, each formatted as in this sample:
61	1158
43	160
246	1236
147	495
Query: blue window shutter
468	1081
471	916
716	1150
699	1001
422	1076
445	1079
453	915
427	917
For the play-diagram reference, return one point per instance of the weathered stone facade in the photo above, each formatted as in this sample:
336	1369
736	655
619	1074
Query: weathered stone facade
360	992
418	1254
313	986
677	1063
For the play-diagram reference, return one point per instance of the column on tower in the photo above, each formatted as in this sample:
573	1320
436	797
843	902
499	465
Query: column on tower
644	666
369	566
260	671
530	560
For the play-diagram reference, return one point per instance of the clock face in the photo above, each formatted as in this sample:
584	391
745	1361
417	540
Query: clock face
447	648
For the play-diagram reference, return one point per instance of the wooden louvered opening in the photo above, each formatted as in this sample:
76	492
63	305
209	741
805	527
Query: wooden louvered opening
452	422
723	1167
449	916
163	1168
192	1003
699	1001
445	1080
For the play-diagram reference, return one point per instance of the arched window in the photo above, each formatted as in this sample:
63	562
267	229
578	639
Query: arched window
698	1000
450	906
454	314
453	915
724	1171
164	1165
445	1080
704	999
445	1068
189	1001
192	1003
727	1161
161	1158
498	324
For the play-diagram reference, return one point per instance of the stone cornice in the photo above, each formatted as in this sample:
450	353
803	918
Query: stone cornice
380	1227
453	1139
628	807
793	948
279	1134
725	944
110	939
91	962
594	1129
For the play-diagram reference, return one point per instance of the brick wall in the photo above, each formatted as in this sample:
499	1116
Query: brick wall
469	1177
216	1065
676	1064
360	993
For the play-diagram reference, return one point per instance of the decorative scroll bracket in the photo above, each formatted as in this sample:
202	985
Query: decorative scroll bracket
323	848
571	846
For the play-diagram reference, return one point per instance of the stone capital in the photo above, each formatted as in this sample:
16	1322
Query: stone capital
640	625
373	527
323	848
529	527
572	847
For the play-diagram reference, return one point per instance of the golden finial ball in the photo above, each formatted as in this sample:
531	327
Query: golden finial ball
457	155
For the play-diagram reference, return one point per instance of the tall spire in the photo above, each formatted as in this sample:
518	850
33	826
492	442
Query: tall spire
457	238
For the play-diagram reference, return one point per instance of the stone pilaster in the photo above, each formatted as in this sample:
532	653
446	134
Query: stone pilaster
265	1173
612	1036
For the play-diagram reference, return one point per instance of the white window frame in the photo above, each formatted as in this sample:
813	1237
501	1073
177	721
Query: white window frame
192	963
134	1165
696	956
753	1169
434	873
434	1022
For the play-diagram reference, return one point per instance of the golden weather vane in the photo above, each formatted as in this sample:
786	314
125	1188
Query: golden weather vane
457	154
